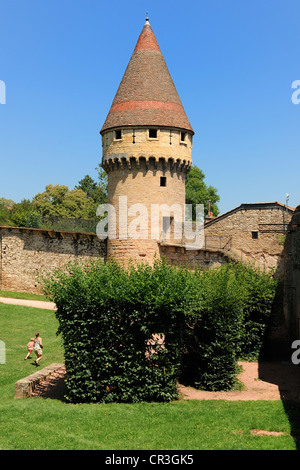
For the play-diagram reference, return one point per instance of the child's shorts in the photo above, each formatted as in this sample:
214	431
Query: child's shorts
38	352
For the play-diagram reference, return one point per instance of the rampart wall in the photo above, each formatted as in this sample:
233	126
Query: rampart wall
26	253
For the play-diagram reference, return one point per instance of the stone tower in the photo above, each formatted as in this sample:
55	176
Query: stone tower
146	143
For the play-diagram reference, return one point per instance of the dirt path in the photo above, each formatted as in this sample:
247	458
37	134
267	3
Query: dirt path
28	303
262	381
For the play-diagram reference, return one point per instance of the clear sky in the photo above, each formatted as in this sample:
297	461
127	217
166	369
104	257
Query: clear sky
233	63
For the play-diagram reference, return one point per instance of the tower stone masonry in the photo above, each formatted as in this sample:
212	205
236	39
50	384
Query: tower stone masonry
146	144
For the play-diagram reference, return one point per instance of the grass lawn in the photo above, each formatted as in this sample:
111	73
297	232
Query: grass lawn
37	423
22	295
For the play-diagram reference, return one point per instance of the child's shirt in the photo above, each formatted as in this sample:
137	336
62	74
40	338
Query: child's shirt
30	345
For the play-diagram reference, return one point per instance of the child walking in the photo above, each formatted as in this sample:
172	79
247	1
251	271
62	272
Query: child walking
30	347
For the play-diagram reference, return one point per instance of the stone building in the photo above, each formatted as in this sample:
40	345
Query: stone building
252	232
147	143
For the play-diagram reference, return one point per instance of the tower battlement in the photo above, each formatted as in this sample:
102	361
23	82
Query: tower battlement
170	148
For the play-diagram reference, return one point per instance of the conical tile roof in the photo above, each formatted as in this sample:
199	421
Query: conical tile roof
147	95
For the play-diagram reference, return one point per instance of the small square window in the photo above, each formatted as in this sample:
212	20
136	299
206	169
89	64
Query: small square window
118	134
153	133
163	181
254	235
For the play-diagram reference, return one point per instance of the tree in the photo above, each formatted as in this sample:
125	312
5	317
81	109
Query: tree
5	210
102	181
6	203
197	192
89	186
59	201
23	214
96	191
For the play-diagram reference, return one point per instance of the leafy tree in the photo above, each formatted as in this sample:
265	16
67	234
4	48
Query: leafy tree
6	203
102	181
197	192
89	186
97	191
23	214
5	210
4	216
59	201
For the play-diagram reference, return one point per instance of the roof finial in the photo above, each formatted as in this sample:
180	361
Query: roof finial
147	19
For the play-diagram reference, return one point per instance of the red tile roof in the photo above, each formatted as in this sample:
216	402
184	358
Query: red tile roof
147	95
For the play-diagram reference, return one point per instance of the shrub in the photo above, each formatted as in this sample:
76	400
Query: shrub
260	294
214	330
108	319
129	334
229	315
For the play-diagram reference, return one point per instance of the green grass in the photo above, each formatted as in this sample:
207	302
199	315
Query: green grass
37	423
22	295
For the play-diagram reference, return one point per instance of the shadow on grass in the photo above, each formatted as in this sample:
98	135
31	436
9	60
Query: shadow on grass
287	377
292	409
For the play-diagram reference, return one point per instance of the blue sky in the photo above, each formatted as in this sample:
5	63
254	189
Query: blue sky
233	63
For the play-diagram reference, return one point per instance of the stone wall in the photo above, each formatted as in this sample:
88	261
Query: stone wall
292	278
180	256
26	253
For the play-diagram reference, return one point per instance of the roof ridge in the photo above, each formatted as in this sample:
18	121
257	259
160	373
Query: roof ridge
227	213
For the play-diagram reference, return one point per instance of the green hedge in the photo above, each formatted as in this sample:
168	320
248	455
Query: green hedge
111	320
107	316
230	311
214	330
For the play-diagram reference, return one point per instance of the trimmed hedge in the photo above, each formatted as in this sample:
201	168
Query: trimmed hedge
230	311
214	330
129	335
108	317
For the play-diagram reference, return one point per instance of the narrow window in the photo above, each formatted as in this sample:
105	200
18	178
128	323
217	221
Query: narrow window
182	136
254	235
163	181
118	134
153	133
167	223
133	136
